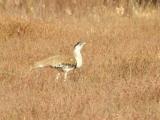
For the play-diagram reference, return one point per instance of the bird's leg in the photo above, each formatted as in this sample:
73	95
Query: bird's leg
57	77
65	75
78	70
74	76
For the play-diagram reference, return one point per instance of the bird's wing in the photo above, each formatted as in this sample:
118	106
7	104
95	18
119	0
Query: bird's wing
56	61
63	60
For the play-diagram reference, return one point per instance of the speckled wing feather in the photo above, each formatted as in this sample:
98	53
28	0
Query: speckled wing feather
55	61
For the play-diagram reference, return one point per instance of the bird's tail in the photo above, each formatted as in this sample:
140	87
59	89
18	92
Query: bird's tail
37	65
34	66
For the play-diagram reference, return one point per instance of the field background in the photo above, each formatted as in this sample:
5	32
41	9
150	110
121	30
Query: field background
120	77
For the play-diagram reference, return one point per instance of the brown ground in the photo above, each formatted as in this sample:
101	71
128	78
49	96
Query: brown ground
120	78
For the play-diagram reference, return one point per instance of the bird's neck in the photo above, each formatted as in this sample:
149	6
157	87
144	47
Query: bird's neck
78	57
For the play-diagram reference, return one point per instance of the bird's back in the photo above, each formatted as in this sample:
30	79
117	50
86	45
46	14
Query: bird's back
55	61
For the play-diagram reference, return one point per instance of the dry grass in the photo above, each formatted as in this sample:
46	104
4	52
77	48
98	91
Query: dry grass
49	9
119	79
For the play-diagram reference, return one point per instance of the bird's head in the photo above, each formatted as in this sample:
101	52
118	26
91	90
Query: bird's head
79	45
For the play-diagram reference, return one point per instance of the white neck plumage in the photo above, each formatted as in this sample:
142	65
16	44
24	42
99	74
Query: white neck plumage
78	57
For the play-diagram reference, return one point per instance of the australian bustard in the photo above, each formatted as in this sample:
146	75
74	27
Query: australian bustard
62	62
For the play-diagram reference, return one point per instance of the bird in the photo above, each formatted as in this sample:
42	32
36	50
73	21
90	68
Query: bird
63	63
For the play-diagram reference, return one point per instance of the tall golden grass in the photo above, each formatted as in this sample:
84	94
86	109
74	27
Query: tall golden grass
47	8
119	78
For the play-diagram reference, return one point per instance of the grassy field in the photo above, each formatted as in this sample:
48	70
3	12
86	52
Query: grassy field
119	80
